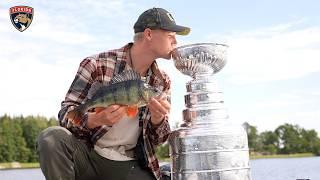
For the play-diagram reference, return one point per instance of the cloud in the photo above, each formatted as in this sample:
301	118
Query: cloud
32	87
275	53
305	119
267	113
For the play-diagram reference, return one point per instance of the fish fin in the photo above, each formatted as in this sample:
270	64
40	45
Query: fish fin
75	116
94	88
98	109
125	76
132	111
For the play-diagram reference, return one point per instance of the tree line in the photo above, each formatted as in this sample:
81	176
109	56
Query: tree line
18	137
285	139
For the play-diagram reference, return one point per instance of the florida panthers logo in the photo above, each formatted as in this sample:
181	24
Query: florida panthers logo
21	17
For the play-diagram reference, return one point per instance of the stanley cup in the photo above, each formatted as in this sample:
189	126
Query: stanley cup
207	146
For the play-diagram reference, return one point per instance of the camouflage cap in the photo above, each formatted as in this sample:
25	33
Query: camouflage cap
158	18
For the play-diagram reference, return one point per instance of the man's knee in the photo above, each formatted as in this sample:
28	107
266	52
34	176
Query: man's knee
50	138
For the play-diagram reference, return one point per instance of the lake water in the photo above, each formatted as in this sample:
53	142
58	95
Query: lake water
261	169
286	169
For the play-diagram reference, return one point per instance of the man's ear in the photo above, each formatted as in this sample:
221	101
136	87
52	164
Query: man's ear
147	33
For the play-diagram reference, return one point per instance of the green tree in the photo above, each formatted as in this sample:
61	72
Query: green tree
162	151
13	146
269	142
18	137
52	122
6	140
316	148
21	150
32	126
253	137
289	139
310	141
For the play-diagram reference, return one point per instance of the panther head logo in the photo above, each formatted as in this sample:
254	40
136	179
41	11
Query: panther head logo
23	20
21	17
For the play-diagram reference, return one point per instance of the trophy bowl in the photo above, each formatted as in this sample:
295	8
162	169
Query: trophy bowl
200	58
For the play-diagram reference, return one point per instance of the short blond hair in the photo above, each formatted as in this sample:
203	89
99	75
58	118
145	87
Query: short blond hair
137	36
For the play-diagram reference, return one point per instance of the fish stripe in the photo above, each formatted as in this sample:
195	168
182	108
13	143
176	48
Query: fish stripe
113	92
140	92
128	90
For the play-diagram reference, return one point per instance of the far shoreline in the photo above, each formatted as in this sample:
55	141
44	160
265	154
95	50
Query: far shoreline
279	156
35	165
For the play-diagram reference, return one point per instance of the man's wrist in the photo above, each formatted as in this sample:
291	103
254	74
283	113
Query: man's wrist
83	120
157	123
90	122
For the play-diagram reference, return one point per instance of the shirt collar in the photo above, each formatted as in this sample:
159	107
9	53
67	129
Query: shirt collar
153	69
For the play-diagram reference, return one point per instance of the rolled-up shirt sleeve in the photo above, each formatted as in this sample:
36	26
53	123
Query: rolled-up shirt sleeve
160	133
77	93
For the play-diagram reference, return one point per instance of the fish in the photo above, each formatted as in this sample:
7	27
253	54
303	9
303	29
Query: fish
125	89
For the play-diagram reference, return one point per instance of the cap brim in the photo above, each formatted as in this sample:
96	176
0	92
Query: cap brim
180	30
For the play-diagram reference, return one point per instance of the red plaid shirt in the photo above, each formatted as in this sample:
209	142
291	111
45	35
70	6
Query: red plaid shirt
101	68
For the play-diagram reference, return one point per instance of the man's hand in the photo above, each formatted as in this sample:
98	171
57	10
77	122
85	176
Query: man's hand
159	108
108	116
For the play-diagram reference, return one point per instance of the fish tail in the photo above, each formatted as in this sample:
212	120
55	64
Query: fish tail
76	115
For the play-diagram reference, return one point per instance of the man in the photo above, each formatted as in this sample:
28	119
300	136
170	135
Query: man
106	145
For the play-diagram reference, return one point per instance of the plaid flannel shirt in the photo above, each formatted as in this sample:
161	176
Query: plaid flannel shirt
101	68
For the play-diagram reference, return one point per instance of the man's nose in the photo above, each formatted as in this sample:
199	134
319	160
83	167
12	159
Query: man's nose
174	42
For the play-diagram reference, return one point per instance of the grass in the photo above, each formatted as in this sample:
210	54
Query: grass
16	165
282	156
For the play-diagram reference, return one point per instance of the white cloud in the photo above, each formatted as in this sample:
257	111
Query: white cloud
281	101
306	119
293	107
315	93
276	53
32	87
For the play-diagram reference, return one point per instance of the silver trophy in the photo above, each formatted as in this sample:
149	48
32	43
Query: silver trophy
206	146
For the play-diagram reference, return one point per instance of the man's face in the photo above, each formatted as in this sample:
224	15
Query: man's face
163	42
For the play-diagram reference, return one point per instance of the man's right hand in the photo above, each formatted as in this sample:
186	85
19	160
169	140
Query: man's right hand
108	116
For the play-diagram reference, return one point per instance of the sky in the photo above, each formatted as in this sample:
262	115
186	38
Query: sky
271	76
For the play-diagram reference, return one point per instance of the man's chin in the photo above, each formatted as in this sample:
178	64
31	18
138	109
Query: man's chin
170	55
167	56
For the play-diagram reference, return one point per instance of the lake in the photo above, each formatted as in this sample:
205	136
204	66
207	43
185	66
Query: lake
286	169
261	169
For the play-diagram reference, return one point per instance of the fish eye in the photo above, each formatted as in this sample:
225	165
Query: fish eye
157	90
